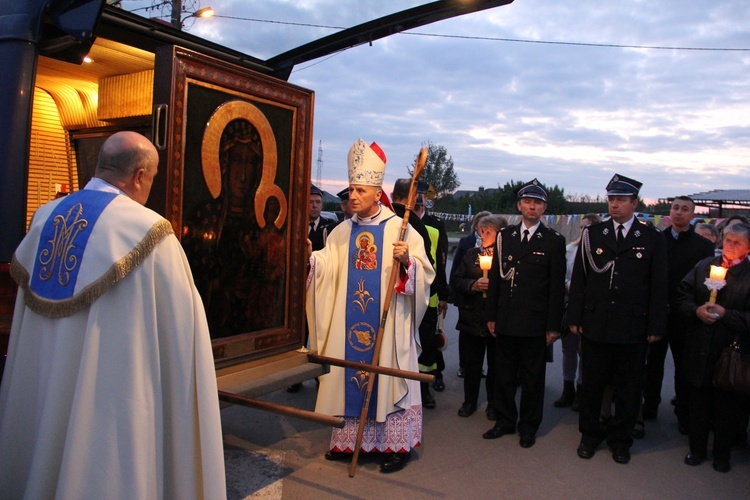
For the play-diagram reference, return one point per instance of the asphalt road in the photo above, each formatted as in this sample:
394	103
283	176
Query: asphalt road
268	456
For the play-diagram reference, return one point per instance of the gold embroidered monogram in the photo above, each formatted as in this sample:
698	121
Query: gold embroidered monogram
119	270
58	255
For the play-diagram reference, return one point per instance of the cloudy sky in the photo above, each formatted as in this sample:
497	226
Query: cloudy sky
568	113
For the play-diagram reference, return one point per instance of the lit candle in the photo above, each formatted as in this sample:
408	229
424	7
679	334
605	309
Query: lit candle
718	273
485	263
716	281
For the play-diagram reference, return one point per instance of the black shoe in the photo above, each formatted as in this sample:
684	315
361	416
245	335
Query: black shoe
294	387
621	455
674	401
490	411
586	451
428	401
722	465
337	455
467	410
497	432
639	431
694	458
460	372
527	441
568	395
438	384
395	461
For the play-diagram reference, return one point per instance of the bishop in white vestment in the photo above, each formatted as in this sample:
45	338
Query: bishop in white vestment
345	298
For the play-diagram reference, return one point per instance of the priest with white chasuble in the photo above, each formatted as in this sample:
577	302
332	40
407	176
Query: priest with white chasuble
345	298
109	389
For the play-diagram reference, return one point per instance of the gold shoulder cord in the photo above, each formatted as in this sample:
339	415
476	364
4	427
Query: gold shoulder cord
609	266
67	307
510	274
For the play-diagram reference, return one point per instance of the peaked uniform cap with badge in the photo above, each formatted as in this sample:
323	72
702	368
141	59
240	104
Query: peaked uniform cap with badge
343	194
620	185
366	164
532	189
315	190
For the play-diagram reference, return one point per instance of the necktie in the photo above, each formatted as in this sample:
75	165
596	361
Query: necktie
525	238
620	237
312	227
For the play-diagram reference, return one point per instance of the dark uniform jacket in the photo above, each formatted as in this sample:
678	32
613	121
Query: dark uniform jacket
619	295
704	343
319	236
527	300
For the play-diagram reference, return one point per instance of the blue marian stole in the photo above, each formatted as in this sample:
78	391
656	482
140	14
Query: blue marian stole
362	312
63	242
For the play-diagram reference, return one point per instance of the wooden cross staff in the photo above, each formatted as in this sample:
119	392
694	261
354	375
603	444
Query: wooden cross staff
418	167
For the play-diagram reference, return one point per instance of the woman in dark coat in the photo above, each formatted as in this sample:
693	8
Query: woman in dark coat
468	283
711	328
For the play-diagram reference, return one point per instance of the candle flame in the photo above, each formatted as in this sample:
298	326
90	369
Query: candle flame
718	273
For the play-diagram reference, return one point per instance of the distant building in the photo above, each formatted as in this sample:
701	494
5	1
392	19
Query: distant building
722	202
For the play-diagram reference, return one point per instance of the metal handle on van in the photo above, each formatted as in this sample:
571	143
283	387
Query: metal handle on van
159	126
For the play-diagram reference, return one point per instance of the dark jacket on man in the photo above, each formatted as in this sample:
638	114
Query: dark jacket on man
530	302
683	254
619	294
443	288
320	234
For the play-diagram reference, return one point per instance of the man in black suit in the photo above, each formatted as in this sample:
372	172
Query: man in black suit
525	302
319	227
618	303
685	248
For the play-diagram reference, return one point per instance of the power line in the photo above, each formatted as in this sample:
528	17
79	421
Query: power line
499	39
584	44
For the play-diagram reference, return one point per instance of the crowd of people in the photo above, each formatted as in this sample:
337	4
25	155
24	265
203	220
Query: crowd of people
102	399
631	294
619	296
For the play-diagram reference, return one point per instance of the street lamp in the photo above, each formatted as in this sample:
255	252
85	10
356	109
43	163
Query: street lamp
179	22
204	12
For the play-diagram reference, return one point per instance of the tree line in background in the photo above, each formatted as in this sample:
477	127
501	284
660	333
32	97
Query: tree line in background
439	173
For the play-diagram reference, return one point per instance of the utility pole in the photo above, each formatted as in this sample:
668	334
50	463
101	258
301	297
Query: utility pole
177	14
320	165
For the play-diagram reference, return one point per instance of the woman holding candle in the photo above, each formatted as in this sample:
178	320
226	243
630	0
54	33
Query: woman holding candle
470	281
714	321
